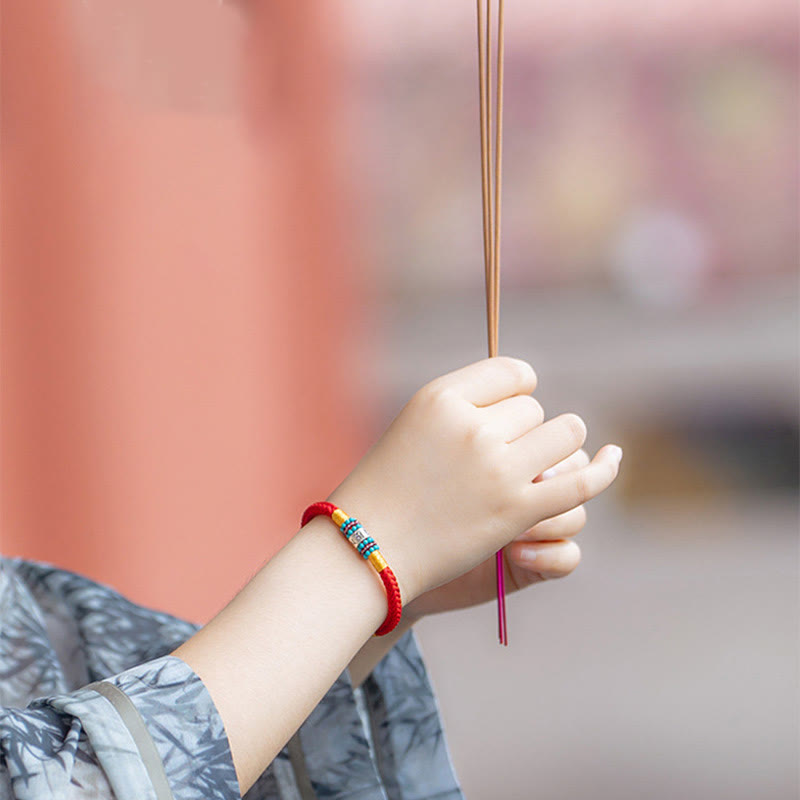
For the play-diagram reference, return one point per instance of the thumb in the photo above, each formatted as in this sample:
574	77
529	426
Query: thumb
530	562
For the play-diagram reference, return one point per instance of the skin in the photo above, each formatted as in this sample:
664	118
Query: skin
468	467
544	552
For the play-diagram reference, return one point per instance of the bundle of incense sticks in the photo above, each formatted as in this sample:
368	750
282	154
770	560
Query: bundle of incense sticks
491	186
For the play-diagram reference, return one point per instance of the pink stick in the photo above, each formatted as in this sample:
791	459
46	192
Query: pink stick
501	600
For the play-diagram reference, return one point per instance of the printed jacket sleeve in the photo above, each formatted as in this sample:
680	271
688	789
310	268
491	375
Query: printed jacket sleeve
148	733
151	731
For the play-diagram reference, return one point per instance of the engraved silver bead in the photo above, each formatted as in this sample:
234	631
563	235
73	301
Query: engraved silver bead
358	537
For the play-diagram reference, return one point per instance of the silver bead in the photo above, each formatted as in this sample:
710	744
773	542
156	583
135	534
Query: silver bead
358	537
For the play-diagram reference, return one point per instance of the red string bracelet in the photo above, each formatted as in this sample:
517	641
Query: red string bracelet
354	532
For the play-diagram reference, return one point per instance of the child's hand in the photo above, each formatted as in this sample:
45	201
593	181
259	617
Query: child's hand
452	479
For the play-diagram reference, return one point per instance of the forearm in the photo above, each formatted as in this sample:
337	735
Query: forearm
273	652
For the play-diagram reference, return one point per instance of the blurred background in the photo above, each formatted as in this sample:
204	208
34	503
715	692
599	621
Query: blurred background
237	237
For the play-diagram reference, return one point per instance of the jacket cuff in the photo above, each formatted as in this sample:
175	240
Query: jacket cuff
178	732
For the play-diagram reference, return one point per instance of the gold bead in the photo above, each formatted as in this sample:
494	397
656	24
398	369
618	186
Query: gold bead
339	517
378	561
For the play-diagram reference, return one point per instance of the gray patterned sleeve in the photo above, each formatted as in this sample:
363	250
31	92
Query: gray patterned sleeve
151	732
405	725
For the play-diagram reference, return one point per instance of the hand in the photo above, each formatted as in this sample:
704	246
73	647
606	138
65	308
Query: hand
544	552
452	479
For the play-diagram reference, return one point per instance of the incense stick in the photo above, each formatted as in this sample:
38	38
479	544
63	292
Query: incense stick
491	197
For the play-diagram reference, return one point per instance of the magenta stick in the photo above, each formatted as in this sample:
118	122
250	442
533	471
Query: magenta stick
501	600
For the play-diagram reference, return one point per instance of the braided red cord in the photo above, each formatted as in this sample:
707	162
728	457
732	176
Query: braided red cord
386	575
315	509
394	601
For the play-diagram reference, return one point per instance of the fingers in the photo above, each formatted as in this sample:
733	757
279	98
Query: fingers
559	494
514	416
580	458
545	551
563	526
547	445
489	380
545	560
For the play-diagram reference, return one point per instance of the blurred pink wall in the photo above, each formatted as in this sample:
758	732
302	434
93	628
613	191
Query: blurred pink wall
181	308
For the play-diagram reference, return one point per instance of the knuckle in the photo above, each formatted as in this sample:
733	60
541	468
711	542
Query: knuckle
434	396
538	411
528	373
421	396
509	362
576	428
476	434
521	369
497	472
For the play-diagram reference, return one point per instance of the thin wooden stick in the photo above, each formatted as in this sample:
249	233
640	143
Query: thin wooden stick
487	121
498	166
483	56
491	179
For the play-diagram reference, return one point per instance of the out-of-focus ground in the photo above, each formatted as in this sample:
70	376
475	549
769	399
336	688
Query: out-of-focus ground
665	666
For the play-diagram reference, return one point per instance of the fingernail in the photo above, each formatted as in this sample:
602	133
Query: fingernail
527	555
616	453
548	473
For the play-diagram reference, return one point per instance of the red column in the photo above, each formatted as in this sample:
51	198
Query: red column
182	305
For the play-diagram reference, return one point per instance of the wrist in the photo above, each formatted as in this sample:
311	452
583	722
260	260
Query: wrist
323	543
386	534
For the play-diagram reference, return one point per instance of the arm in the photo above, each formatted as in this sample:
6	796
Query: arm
284	639
265	662
158	712
269	657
